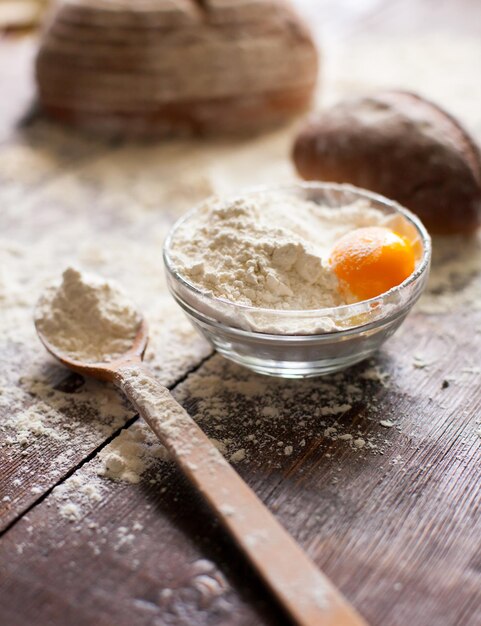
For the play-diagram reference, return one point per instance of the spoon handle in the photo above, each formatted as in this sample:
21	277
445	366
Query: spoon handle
304	592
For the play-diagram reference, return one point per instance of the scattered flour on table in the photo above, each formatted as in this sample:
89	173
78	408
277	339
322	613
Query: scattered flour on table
420	363
87	318
76	494
375	373
70	511
272	407
387	423
130	454
278	417
238	456
455	278
38	420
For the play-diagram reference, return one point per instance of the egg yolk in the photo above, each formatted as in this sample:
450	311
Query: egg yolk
372	260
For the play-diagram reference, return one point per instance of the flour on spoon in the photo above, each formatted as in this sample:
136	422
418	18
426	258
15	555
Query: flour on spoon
87	318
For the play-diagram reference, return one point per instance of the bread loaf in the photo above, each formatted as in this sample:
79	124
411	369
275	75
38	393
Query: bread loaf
175	66
402	146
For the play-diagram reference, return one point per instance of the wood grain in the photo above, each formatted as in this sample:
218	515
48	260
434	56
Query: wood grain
77	571
395	523
397	530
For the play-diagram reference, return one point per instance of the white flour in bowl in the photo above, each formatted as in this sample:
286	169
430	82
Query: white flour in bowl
267	252
87	318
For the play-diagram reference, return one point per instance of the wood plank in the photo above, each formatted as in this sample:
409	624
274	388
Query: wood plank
394	521
144	554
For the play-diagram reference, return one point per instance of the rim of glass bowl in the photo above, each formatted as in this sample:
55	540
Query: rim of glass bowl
352	309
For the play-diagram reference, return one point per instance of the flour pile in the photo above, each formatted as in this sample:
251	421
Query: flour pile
267	251
87	318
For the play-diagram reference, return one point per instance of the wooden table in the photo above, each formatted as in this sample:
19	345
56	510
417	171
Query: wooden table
374	471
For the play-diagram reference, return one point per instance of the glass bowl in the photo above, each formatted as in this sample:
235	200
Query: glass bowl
299	344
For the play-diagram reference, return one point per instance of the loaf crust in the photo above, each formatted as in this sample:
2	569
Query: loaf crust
169	67
400	145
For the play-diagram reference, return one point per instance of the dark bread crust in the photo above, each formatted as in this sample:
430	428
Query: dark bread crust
167	67
229	116
403	146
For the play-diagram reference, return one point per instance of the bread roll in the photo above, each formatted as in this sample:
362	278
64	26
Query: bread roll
400	145
175	66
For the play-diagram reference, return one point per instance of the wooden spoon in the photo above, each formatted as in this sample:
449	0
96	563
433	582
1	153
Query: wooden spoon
304	592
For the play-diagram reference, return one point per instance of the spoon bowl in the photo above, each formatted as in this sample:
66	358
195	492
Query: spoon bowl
106	371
